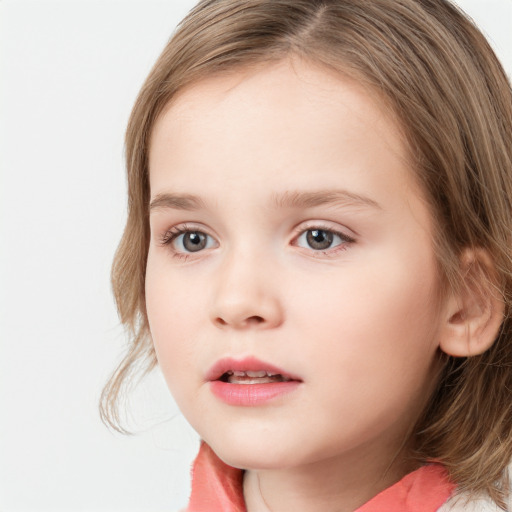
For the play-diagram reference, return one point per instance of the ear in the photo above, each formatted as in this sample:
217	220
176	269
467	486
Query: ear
473	315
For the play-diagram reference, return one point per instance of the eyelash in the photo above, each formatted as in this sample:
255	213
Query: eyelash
172	234
331	251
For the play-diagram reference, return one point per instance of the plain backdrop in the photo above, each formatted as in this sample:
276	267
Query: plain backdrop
69	74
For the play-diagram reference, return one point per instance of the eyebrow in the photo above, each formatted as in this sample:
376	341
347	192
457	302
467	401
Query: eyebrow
177	202
300	199
288	199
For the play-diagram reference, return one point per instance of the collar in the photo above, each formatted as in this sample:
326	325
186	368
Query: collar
217	487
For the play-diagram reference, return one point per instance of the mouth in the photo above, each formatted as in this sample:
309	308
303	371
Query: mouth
252	377
250	382
248	371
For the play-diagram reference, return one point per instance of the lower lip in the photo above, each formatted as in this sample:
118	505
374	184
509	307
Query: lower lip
251	394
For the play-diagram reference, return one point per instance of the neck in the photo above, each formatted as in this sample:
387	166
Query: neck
340	484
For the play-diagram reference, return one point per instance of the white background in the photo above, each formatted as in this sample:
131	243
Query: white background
69	74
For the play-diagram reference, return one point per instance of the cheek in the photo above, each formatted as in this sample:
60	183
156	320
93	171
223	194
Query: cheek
373	356
172	313
380	321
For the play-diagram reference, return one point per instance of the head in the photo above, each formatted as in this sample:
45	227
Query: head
435	79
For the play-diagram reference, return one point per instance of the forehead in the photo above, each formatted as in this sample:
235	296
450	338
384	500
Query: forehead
284	79
277	117
297	86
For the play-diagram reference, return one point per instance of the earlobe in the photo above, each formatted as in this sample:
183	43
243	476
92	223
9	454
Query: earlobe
474	314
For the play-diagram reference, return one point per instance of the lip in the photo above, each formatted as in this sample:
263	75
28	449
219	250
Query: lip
249	394
248	364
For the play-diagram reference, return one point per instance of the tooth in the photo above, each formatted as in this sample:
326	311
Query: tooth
261	373
246	379
249	380
238	374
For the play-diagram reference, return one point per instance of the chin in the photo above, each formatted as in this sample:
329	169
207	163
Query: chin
257	452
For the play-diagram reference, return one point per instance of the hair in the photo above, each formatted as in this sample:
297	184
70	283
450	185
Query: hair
453	100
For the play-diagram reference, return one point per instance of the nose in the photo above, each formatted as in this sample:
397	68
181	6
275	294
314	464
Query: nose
246	295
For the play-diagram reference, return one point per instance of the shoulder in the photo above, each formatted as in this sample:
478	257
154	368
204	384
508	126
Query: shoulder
464	503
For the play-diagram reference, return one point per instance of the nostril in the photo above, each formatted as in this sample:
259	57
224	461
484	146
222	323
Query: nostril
254	320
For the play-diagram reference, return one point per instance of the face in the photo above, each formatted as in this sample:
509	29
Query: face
288	237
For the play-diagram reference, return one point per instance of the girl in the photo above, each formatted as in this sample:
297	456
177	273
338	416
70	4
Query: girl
318	254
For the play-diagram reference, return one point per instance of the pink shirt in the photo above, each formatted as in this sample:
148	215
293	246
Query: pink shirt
217	487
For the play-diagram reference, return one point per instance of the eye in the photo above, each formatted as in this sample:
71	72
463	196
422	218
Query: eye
192	241
186	241
320	239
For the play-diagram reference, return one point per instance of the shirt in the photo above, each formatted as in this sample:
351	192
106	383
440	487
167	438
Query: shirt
217	487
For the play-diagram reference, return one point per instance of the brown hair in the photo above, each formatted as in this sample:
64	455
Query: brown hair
454	101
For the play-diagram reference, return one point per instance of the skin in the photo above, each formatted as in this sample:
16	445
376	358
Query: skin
358	322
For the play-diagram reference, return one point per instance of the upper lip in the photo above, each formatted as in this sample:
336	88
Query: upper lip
247	364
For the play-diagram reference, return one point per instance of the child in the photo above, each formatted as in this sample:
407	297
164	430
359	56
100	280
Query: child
318	254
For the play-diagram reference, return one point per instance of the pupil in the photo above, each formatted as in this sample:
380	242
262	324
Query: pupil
194	241
319	239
